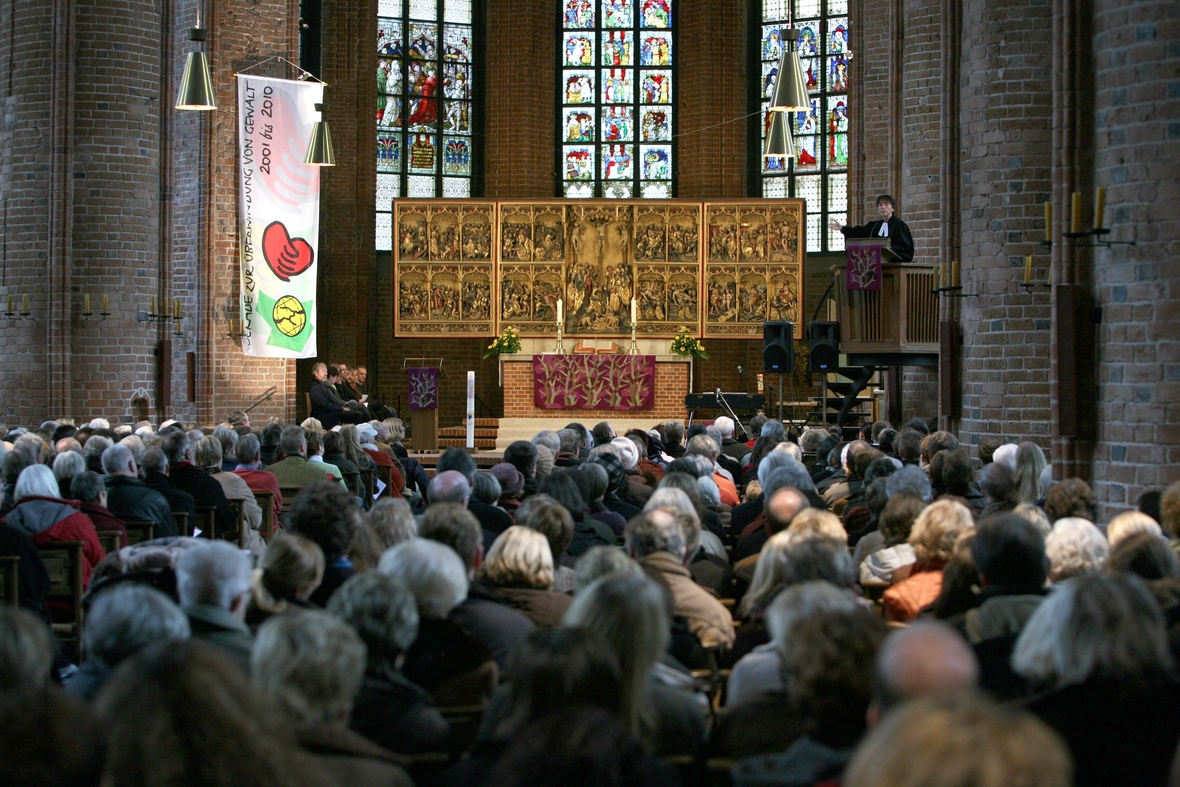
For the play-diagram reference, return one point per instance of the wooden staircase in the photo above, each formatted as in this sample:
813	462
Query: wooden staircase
486	431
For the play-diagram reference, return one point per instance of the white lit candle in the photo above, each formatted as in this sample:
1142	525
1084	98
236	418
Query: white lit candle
632	311
560	312
471	409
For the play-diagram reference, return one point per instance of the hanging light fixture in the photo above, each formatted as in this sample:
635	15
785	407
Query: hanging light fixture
196	87
790	89
319	151
778	139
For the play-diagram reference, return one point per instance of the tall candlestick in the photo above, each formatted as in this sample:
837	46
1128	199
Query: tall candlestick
1099	206
943	279
176	310
1075	212
1049	221
155	305
10	303
24	304
1028	270
632	311
560	312
106	300
955	273
86	304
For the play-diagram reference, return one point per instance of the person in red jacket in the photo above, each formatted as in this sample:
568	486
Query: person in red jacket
41	514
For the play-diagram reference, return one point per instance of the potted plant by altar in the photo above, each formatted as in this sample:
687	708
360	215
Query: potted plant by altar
507	343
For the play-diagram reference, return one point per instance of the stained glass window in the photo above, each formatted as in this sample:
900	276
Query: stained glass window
425	55
615	89
819	171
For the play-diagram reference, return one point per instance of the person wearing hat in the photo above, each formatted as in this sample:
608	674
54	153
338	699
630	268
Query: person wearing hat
511	485
617	486
629	455
368	435
545	461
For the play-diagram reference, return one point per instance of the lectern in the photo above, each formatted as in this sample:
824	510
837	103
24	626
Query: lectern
422	376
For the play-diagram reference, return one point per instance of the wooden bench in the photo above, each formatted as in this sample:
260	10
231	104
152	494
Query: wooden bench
352	480
183	526
138	532
63	562
266	501
110	540
206	522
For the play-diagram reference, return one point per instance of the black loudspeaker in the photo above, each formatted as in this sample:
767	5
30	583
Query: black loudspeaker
778	352
825	346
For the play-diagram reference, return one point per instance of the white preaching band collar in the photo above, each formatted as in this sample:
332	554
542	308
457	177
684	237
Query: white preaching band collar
884	231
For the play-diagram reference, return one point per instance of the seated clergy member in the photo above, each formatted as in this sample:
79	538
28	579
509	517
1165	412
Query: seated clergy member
655	540
186	477
326	404
128	498
295	470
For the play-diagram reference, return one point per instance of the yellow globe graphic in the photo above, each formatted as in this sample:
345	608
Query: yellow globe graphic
289	315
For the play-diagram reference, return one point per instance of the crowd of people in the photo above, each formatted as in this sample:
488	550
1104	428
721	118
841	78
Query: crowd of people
663	607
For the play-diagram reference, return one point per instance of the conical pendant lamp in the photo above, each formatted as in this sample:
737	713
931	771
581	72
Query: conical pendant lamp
790	90
319	151
778	139
196	87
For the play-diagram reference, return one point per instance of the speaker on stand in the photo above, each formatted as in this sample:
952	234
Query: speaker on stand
778	353
824	353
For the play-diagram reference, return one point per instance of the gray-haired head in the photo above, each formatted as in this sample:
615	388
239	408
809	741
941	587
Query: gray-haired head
548	438
1075	546
709	491
128	618
485	488
600	561
654	531
449	486
705	445
810	439
571	441
433	572
117	460
1094	626
214	574
774	430
87	487
246	449
772	461
799	602
154	461
382	611
66	466
311	663
909	480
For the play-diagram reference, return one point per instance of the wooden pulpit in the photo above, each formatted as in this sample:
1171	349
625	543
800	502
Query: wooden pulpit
423	376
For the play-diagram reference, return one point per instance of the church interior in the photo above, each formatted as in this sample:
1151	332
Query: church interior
539	533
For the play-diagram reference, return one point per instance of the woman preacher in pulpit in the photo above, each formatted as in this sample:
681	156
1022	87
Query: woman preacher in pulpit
889	226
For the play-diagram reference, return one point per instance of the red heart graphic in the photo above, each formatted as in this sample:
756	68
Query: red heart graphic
286	256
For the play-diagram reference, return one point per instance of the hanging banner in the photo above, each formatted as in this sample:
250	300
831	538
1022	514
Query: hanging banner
278	217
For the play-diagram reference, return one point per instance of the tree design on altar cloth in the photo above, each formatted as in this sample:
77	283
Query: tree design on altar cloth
423	382
594	382
864	266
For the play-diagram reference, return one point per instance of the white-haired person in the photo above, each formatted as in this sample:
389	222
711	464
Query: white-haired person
1097	649
41	514
519	569
390	710
1075	546
933	537
208	455
311	665
729	446
628	613
456	668
213	585
66	466
120	622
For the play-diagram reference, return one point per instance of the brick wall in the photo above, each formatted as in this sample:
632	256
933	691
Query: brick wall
1137	122
1005	160
671	385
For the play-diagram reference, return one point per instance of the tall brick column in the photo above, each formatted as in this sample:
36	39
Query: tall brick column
1005	121
1136	149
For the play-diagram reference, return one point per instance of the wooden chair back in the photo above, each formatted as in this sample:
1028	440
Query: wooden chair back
369	476
206	521
10	580
289	494
385	473
183	526
352	480
240	522
110	540
63	562
138	532
266	501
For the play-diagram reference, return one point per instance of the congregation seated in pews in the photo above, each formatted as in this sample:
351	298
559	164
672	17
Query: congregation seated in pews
308	606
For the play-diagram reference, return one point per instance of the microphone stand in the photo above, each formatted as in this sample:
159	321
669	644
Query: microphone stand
265	396
732	414
765	384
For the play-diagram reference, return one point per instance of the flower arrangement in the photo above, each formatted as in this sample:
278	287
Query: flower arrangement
686	344
507	342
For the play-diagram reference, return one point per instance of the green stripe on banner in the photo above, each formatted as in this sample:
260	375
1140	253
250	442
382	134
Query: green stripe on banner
290	325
